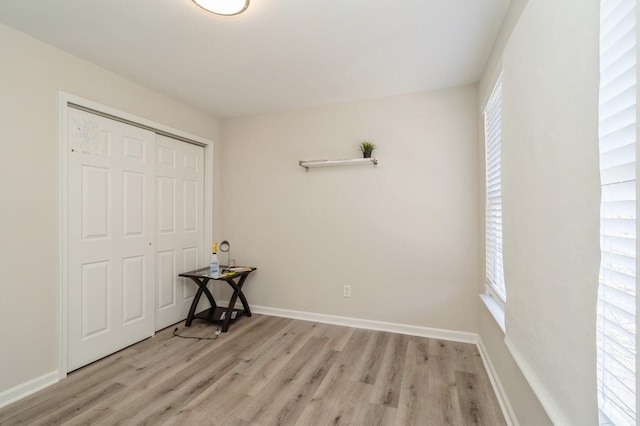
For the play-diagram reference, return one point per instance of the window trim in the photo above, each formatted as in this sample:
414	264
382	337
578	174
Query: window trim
496	308
491	141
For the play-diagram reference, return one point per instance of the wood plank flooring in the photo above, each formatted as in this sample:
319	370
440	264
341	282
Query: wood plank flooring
272	371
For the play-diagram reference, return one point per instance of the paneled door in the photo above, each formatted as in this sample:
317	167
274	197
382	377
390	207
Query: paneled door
179	226
110	236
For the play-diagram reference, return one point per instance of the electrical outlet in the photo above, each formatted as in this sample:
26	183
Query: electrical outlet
347	291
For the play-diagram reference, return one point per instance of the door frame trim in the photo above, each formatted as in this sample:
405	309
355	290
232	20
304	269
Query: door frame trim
66	100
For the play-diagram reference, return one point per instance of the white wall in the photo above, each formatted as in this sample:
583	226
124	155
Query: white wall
551	197
525	404
550	209
31	75
403	235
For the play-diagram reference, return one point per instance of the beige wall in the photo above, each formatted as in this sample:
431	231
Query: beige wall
550	210
31	75
403	235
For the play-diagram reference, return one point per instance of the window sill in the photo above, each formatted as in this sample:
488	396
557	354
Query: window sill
497	312
603	420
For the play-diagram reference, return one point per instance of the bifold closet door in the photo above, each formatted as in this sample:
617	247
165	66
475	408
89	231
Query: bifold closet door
179	226
111	236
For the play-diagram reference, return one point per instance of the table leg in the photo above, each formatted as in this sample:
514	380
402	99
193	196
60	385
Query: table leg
232	303
192	309
212	302
245	304
202	288
237	292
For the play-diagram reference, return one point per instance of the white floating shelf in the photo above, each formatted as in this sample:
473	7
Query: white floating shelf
310	164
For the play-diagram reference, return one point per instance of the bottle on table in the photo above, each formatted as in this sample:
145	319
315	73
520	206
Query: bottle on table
214	265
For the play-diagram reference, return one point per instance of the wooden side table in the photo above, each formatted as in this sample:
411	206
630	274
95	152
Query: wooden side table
216	313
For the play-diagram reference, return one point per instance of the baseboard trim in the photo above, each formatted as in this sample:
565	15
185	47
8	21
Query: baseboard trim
412	330
501	395
25	389
550	406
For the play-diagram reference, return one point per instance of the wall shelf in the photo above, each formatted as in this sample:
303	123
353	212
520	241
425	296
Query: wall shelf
310	164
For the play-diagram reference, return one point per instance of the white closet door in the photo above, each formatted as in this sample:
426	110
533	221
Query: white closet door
111	227
179	226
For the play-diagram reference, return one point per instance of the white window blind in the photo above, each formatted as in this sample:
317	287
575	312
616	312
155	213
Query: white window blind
616	321
493	226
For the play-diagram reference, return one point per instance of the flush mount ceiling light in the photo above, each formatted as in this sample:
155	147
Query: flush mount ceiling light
223	7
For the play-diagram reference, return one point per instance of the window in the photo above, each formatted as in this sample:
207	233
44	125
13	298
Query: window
616	321
493	225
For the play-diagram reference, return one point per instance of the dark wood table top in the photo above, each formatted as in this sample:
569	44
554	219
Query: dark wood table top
204	273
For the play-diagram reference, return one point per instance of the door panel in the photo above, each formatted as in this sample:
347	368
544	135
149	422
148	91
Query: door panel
133	282
180	213
166	277
167	155
166	205
133	209
96	283
96	203
111	232
133	148
189	263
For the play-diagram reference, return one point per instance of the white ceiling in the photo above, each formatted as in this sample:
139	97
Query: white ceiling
279	54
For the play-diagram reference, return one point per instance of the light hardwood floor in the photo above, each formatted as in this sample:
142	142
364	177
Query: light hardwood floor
273	371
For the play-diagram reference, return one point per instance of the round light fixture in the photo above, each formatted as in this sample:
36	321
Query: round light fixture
223	7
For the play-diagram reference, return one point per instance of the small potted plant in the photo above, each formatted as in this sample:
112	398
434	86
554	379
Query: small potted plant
367	148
